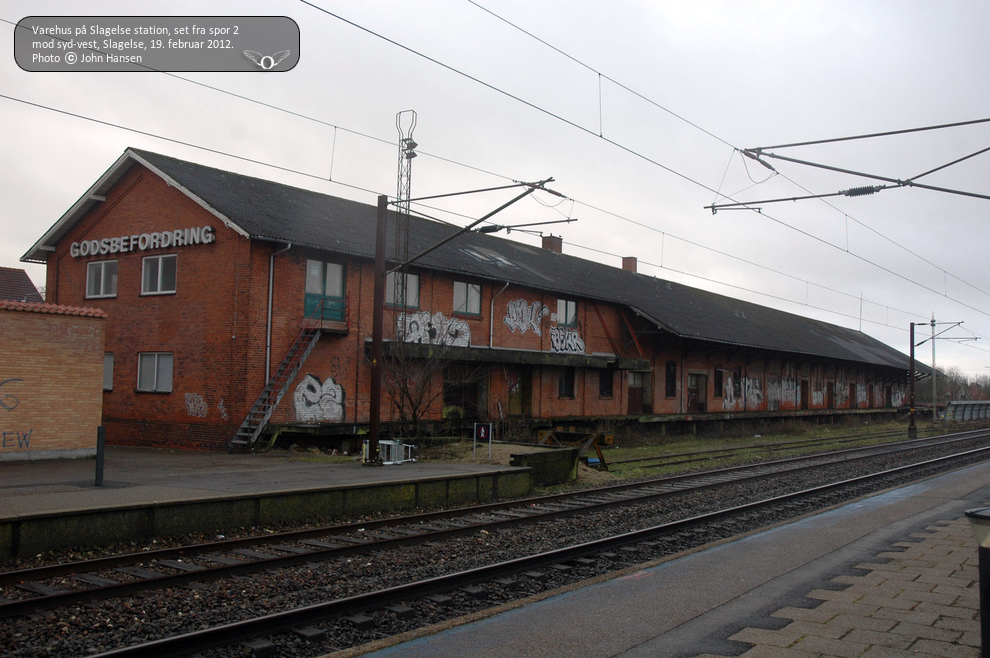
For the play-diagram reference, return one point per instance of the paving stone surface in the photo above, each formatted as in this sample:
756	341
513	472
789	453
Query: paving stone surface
920	598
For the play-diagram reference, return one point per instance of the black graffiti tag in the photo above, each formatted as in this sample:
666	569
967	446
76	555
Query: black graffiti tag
8	401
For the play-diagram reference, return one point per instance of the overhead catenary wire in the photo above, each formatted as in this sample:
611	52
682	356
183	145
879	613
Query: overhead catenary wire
846	193
335	126
788	300
623	147
889	133
326	123
320	178
762	293
600	75
744	151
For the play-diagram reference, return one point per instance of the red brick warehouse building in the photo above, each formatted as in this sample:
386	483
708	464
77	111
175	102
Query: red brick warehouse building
216	285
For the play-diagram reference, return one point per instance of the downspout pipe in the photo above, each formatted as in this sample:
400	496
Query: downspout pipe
268	327
491	317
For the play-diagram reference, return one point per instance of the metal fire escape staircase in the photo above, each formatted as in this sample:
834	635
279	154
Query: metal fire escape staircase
257	418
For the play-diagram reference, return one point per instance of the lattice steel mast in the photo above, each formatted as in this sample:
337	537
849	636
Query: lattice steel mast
405	123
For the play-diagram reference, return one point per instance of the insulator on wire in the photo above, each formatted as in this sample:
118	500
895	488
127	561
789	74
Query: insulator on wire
862	191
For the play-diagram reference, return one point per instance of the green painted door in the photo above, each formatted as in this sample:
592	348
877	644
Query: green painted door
325	291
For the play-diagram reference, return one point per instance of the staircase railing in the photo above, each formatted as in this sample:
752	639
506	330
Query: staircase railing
261	411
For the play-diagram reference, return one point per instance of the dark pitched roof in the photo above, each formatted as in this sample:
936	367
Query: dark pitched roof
271	211
16	285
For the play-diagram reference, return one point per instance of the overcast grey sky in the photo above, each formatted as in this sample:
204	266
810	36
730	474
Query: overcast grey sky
636	112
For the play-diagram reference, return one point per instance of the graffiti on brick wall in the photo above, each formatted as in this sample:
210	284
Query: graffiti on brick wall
754	393
788	389
222	408
728	393
751	389
7	400
565	339
897	397
435	329
12	438
316	401
15	439
841	390
817	387
522	316
196	405
773	394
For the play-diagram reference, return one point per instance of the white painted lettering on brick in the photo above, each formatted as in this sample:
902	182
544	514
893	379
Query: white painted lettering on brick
144	242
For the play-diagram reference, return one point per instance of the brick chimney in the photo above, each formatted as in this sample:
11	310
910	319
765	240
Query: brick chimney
629	263
553	243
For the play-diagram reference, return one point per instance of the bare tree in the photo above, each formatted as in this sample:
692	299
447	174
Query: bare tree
421	366
414	383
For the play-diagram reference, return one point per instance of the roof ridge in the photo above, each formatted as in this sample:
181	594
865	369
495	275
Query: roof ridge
54	309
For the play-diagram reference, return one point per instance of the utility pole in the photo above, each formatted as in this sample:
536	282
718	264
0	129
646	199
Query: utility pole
377	329
378	315
405	123
934	376
912	429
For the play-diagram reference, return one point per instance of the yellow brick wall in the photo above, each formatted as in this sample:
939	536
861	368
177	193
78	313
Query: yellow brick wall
51	384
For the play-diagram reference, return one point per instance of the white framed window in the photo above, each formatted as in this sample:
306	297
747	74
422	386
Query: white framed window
158	275
567	312
402	290
108	371
467	298
155	372
101	279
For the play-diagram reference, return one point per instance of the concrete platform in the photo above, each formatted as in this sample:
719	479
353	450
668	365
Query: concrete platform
893	575
148	492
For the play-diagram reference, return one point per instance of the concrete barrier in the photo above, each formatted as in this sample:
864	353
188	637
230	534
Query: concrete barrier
549	466
26	535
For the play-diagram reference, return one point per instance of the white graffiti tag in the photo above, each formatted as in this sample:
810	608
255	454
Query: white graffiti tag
317	401
563	339
434	329
196	405
524	316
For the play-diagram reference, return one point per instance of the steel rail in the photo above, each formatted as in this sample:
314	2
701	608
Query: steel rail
111	562
810	443
285	621
527	512
772	447
99	564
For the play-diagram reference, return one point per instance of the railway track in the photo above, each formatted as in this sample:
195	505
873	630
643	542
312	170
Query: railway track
120	575
79	586
736	452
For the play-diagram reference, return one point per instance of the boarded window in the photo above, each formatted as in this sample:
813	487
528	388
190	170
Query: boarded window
606	383
565	382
